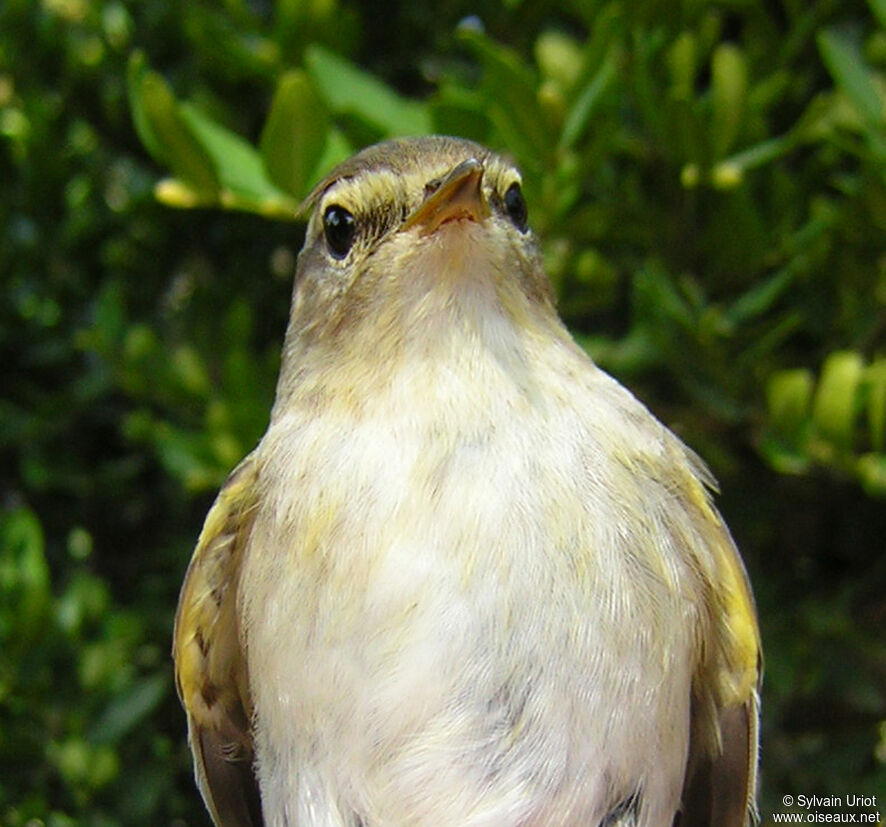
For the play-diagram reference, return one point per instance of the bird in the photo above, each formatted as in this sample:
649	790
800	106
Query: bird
465	577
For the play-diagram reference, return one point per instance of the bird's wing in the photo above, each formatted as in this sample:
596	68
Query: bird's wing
210	663
721	777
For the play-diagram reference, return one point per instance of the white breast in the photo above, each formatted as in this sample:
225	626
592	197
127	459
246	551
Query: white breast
481	619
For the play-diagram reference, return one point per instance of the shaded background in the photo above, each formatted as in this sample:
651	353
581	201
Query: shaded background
708	179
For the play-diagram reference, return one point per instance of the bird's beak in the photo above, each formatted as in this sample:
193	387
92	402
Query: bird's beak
458	195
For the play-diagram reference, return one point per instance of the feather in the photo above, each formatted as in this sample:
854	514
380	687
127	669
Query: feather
210	664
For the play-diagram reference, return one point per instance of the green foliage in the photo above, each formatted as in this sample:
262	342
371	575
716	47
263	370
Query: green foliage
840	424
709	184
78	677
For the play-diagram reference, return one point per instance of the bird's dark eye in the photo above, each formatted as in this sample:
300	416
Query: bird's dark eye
515	205
339	229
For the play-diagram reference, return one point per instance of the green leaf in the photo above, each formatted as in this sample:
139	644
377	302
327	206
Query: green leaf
509	87
295	134
871	470
878	7
338	148
24	572
165	133
875	377
189	371
240	167
630	355
845	65
761	153
826	113
681	60
127	710
835	406
173	192
136	71
185	454
760	298
347	89
728	94
786	459
559	58
456	110
589	98
655	289
788	398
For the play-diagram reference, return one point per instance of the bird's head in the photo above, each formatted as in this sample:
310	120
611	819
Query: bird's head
410	243
408	220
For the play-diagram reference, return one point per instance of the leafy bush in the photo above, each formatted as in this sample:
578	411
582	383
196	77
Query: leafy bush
708	180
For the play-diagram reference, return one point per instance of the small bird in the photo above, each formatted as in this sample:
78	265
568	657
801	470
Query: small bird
465	579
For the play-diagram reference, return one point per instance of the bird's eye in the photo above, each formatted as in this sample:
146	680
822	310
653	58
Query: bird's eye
339	229
515	205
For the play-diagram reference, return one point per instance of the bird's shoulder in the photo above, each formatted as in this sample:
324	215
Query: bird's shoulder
210	663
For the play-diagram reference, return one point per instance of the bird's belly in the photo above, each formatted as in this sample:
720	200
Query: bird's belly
462	635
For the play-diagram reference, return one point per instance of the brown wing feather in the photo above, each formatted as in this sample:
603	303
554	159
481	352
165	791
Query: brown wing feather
733	771
210	667
719	790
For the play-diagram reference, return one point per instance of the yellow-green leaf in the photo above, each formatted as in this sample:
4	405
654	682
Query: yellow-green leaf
836	400
24	572
559	58
788	397
681	59
728	94
871	470
875	377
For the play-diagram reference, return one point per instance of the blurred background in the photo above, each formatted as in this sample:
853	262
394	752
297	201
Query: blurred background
709	183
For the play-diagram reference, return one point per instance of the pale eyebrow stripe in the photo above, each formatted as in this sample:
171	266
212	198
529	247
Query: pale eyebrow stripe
350	188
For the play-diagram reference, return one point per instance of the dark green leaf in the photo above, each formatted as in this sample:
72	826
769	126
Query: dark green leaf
137	70
295	134
579	116
509	89
760	298
878	7
166	134
129	709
